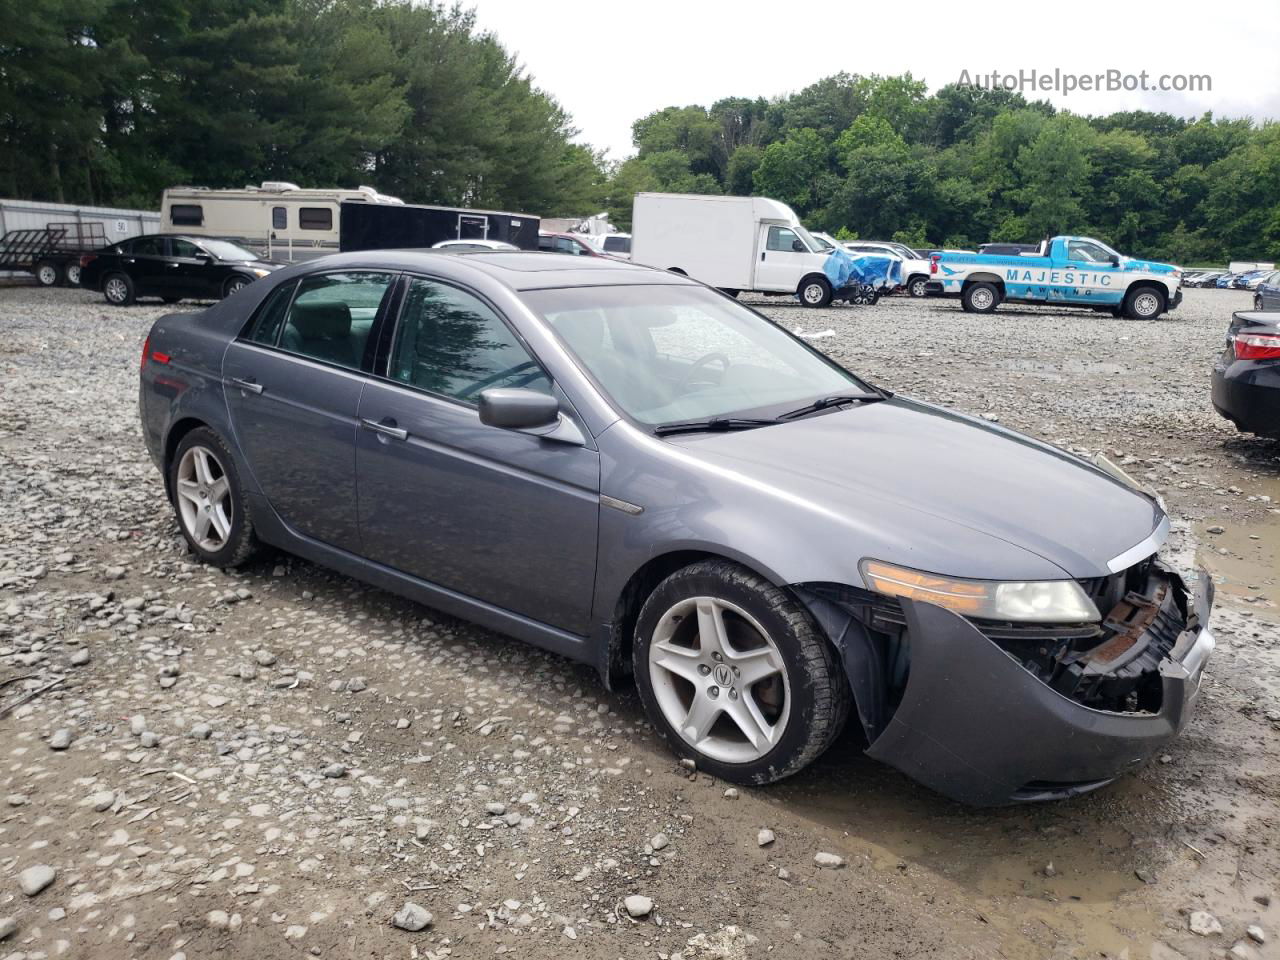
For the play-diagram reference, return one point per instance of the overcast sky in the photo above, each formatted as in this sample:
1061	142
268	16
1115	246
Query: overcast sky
609	63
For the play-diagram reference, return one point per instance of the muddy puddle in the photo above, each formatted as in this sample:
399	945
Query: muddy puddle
1040	876
1244	558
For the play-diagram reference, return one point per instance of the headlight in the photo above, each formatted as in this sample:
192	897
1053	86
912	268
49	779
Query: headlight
259	272
1044	601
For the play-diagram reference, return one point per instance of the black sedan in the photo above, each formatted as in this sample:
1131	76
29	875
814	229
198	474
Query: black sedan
172	268
1246	378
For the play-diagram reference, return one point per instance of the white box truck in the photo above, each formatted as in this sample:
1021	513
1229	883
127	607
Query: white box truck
734	243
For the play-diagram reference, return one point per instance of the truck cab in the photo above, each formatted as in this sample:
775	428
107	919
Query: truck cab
1068	270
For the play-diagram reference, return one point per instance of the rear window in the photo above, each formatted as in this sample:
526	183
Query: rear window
617	244
186	215
315	218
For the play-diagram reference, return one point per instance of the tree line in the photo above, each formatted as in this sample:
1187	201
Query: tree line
111	101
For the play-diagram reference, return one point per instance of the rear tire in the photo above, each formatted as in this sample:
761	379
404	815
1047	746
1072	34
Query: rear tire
212	509
72	275
980	297
48	273
118	289
767	668
1143	303
815	292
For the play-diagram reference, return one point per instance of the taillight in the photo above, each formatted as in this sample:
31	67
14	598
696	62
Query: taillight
87	259
933	263
146	352
1257	346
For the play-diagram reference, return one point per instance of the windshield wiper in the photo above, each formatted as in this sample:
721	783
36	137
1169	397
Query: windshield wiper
713	425
824	402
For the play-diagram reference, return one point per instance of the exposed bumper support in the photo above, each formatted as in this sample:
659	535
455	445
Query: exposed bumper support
976	726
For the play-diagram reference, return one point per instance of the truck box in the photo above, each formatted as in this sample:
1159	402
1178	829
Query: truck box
373	226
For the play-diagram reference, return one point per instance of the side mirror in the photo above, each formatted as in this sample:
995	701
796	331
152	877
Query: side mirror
204	257
518	409
1113	260
798	247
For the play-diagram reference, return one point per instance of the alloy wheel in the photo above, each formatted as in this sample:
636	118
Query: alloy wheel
719	680
204	499
117	290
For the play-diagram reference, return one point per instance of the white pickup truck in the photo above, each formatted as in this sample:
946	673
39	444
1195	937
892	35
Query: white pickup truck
1076	271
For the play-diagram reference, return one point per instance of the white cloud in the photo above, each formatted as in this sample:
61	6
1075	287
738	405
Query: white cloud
611	63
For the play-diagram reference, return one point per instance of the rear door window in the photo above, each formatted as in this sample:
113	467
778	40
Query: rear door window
333	315
148	247
265	326
450	343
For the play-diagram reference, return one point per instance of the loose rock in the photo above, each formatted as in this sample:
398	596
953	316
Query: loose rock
412	917
34	879
638	906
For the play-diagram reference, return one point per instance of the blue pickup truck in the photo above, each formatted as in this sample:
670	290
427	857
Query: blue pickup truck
1075	271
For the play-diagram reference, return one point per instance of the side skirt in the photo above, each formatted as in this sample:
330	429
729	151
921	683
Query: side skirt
271	529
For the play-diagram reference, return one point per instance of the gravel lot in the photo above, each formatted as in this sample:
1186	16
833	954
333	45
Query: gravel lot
275	762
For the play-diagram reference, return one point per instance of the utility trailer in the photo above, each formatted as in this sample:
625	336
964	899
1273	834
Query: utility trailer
52	252
369	226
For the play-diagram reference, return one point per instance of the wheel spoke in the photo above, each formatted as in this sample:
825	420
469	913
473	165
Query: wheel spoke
702	716
756	665
682	661
711	632
189	490
219	489
204	471
204	520
745	714
221	523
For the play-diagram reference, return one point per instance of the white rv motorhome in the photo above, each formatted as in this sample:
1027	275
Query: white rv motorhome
734	243
283	220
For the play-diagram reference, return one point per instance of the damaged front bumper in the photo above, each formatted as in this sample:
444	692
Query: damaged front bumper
974	723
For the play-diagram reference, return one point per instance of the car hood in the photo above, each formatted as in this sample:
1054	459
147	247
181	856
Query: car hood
907	466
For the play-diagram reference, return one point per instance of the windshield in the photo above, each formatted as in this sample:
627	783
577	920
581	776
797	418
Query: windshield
822	242
225	250
903	251
803	234
668	354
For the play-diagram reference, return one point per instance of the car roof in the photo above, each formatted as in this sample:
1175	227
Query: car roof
518	270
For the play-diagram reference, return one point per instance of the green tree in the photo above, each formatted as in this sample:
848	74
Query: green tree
789	168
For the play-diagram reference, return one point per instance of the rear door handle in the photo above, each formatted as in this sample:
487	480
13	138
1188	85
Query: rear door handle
386	429
246	385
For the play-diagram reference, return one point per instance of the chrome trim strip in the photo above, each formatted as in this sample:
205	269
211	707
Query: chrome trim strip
1142	550
631	509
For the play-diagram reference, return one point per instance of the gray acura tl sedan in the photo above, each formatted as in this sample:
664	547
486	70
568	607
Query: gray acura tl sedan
633	470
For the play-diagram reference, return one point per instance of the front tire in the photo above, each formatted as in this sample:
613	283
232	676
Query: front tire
1257	304
209	500
119	290
916	286
980	298
815	292
1143	303
233	284
735	675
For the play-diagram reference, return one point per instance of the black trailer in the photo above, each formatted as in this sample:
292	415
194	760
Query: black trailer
52	252
394	226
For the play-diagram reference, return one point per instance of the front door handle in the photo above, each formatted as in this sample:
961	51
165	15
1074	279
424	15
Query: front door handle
761	254
386	429
246	385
